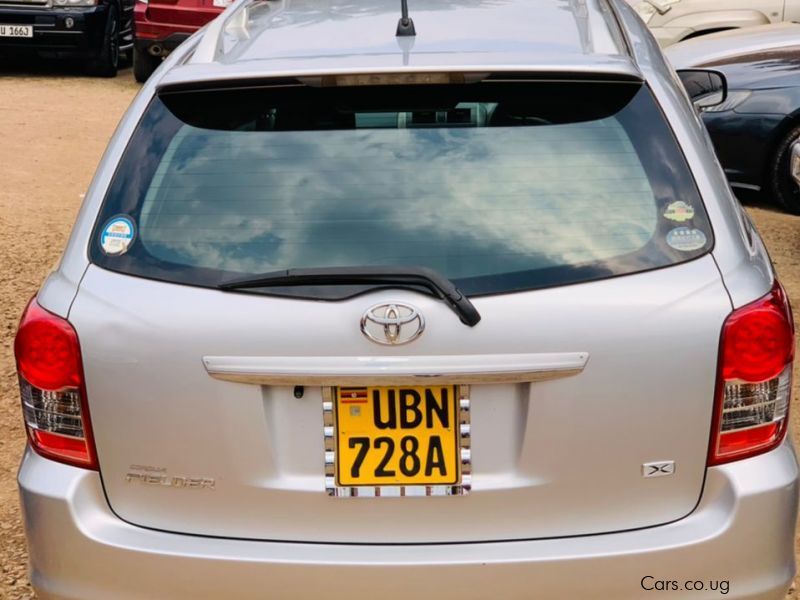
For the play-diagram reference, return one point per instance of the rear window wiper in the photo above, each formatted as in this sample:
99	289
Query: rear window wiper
440	286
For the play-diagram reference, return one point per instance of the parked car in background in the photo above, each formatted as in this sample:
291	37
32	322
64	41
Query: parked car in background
160	25
734	42
672	21
353	313
755	129
94	31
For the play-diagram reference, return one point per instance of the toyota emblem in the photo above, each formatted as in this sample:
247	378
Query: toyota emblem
392	324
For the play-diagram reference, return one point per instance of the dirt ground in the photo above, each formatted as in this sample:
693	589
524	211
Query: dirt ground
53	129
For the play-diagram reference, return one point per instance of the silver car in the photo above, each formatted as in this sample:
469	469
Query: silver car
449	305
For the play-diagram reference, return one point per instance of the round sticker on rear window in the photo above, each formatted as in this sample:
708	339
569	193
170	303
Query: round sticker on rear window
117	236
679	211
686	239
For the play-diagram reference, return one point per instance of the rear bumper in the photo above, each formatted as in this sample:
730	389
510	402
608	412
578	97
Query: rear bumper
51	33
166	44
742	532
174	24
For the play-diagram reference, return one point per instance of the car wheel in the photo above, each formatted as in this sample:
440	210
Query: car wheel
783	187
107	61
144	64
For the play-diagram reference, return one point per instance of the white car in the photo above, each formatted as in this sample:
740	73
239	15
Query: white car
726	45
673	21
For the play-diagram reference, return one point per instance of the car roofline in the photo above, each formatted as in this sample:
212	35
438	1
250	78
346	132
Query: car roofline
214	56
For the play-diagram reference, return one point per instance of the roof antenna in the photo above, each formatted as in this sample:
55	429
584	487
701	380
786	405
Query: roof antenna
405	26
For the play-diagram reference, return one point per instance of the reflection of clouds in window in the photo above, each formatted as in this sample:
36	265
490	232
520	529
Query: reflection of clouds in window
467	202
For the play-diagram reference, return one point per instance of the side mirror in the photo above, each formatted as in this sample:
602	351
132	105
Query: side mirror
705	88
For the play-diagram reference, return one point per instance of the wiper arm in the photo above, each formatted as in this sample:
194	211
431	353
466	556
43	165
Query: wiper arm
441	286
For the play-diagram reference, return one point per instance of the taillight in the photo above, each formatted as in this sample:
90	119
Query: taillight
754	383
52	388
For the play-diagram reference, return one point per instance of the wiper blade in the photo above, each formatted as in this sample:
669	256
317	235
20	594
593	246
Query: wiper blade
441	286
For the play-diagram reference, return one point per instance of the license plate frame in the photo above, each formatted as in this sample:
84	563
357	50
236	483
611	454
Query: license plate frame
461	486
12	30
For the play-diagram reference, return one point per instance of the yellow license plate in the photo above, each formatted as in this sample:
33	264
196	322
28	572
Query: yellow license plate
397	436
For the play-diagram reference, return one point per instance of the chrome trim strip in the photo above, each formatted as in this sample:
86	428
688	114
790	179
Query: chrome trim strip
396	491
395	370
746	186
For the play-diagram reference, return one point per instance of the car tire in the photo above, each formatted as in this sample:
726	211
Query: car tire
144	64
781	184
106	63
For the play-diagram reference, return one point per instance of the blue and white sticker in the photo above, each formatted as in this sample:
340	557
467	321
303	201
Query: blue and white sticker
686	239
117	236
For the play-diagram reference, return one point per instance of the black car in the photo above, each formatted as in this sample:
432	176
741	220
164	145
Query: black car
95	31
754	129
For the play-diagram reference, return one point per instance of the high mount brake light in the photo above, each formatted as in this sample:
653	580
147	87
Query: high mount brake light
754	383
52	388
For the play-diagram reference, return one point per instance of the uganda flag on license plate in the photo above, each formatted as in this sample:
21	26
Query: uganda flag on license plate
353	395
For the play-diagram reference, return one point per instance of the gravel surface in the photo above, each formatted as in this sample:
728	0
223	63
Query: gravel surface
53	129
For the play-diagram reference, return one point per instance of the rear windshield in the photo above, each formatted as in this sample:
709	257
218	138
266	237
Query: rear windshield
499	186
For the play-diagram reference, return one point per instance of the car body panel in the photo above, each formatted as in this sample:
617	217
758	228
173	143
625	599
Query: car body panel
191	14
160	21
66	506
731	132
691	26
268	42
764	70
675	20
740	256
746	136
461	26
234	433
726	44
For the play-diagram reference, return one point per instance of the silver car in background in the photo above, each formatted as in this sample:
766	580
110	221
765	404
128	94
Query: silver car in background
459	306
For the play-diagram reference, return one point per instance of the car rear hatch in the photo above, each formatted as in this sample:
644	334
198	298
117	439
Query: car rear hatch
579	238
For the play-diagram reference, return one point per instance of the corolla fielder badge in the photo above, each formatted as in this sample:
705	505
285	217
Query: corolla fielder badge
392	324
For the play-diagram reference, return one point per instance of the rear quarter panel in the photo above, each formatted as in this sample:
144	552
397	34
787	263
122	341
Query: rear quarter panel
744	265
59	289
